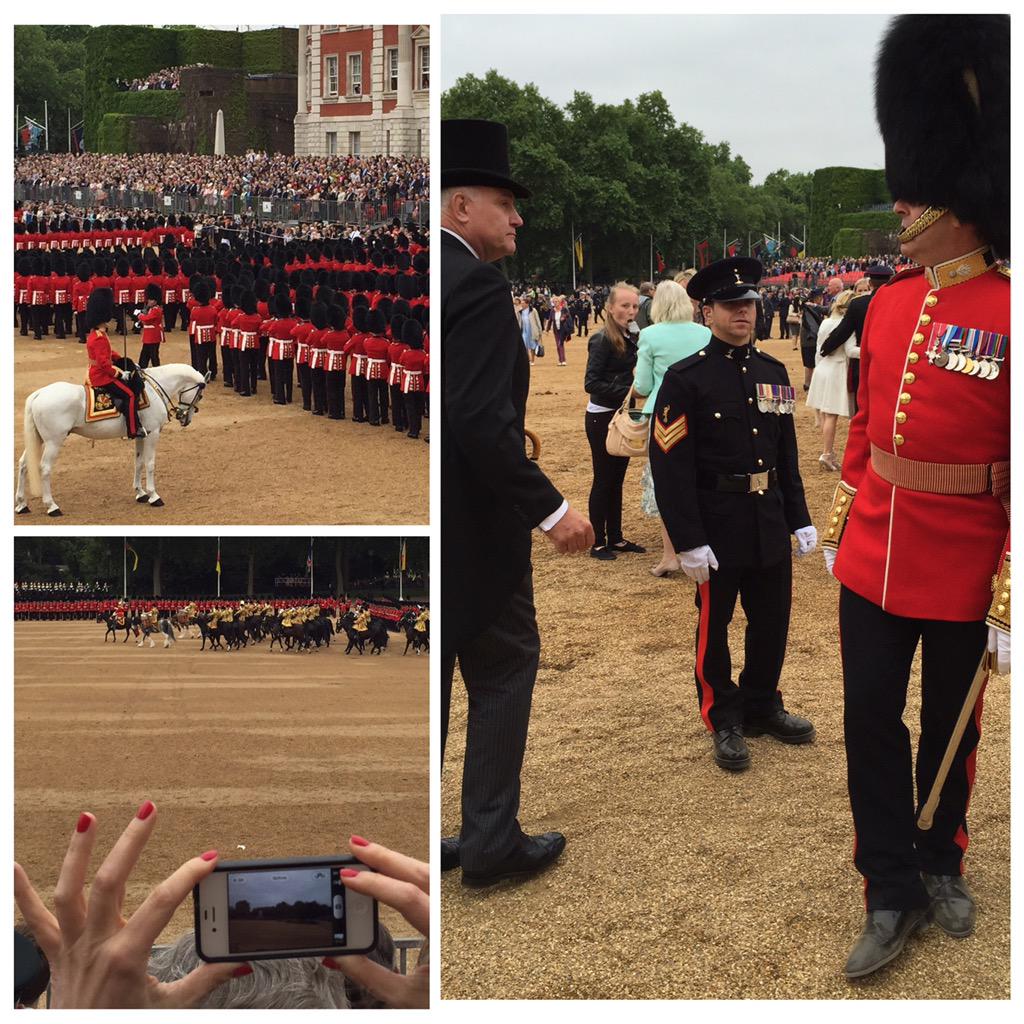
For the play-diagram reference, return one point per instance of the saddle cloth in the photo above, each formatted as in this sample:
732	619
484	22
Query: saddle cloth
100	406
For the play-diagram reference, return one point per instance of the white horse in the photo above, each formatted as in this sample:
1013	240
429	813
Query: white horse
53	412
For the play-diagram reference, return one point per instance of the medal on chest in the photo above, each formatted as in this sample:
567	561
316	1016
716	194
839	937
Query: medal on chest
967	350
776	398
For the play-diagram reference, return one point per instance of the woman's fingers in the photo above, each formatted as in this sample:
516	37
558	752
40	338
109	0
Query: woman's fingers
196	985
69	895
106	896
405	897
40	921
389	987
146	924
388	862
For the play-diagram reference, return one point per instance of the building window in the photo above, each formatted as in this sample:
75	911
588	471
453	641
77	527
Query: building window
331	73
355	74
391	69
353	144
332	143
423	74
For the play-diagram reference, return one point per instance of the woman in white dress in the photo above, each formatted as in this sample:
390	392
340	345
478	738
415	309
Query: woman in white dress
828	391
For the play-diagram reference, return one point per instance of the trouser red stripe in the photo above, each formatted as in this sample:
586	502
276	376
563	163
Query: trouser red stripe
961	838
707	693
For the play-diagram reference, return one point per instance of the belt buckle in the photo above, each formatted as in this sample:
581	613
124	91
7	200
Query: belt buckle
758	481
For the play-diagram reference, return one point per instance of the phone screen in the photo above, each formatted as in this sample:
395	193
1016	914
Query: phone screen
286	909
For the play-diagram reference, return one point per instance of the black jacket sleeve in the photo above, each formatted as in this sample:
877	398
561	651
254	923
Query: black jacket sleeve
603	381
852	323
481	345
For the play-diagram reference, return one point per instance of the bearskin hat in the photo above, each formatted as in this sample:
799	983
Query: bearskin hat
318	315
282	304
421	262
99	309
84	272
395	325
302	304
153	292
200	290
336	316
359	317
248	302
386	307
375	323
412	334
942	99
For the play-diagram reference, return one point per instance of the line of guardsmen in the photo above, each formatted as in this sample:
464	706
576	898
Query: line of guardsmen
321	312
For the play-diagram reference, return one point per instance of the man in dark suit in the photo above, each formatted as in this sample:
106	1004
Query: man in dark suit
853	323
492	498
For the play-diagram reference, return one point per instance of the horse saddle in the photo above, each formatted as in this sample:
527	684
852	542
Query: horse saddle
100	406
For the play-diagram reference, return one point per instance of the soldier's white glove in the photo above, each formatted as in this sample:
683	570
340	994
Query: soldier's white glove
999	645
698	563
806	540
830	559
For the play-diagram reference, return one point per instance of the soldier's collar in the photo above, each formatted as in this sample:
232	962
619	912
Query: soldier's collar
733	352
961	269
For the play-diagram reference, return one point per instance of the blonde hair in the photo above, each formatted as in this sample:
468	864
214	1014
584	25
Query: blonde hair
842	302
683	277
671	304
612	331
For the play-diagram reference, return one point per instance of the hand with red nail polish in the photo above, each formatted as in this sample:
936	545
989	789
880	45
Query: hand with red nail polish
402	883
97	958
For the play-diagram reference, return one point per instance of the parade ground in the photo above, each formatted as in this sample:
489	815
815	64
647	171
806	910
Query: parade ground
679	880
241	461
255	754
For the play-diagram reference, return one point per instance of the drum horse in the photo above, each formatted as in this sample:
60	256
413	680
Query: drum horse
57	410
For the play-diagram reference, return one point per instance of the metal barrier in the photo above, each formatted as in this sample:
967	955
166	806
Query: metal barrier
289	211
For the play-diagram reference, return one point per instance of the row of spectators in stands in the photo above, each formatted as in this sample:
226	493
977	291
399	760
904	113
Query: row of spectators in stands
823	268
69	607
166	78
29	590
256	174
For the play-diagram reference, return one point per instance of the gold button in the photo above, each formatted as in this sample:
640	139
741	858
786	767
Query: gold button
904	398
925	319
760	462
1004	596
901	417
931	300
754	431
842	500
918	338
913	358
750	401
831	533
835	520
718	415
1001	608
899	439
743	368
909	378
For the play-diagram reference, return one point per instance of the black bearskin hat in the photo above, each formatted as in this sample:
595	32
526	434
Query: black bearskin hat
248	302
942	99
375	322
282	305
302	304
336	315
200	291
318	315
84	272
100	308
412	334
359	318
153	292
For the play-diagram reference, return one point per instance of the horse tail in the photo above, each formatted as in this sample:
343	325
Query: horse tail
33	449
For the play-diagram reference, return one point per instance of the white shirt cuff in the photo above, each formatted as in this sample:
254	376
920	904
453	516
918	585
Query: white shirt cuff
553	519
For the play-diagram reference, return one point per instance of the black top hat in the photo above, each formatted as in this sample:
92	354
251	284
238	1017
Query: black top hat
475	152
879	270
727	280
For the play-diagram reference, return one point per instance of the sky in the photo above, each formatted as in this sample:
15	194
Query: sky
792	91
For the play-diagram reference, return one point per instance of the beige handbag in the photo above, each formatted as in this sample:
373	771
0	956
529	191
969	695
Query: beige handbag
629	431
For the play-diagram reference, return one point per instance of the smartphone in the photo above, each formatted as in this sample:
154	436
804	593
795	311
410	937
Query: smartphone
269	909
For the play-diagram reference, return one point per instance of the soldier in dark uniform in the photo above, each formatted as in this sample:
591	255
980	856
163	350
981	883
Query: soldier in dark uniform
726	475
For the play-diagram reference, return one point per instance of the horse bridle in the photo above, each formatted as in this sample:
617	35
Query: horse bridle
180	410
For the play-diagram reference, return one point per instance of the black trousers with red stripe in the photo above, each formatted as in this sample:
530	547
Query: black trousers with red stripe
878	650
765	595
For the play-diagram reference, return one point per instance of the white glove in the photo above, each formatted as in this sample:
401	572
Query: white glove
806	540
830	559
698	563
999	645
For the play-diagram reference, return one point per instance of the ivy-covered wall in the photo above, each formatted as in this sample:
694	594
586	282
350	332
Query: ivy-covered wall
134	51
836	191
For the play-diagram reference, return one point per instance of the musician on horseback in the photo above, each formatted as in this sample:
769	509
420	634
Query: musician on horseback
116	377
422	621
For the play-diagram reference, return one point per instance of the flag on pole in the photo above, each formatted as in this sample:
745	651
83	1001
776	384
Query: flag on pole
403	557
731	248
78	137
218	556
579	251
660	260
703	253
131	551
771	244
309	557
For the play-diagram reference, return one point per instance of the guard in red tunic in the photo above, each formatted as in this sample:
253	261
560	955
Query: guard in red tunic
414	371
61	285
300	334
355	353
334	341
281	351
396	350
124	287
202	328
918	534
376	346
104	373
225	331
248	324
318	356
22	276
80	290
39	295
151	320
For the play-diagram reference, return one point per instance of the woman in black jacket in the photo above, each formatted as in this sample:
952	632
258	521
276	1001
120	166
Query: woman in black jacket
611	356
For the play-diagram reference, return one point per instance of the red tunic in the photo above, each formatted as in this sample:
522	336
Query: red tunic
356	355
101	369
300	334
61	287
152	321
914	553
247	326
334	343
317	351
202	324
124	289
376	357
414	368
280	334
395	352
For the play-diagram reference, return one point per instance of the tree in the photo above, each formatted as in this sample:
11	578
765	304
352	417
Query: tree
49	65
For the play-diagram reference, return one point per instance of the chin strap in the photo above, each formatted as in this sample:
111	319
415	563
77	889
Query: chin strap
922	224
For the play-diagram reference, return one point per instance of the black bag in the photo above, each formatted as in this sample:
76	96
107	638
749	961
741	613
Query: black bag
540	350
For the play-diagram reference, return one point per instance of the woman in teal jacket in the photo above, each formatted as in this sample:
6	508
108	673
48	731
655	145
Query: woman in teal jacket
671	336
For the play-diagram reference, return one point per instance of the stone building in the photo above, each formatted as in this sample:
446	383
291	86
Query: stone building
363	90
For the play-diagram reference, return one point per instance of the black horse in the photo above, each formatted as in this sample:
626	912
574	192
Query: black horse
130	625
418	640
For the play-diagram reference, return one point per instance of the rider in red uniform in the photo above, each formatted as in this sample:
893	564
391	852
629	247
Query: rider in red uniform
103	374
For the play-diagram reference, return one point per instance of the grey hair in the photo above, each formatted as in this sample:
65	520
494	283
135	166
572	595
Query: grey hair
448	194
297	983
671	304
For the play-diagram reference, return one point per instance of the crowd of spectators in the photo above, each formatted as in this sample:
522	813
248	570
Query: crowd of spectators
254	175
822	268
40	590
166	78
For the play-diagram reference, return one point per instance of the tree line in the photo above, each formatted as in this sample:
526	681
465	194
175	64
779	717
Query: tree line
623	176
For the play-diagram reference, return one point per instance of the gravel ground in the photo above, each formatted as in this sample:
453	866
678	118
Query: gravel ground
680	881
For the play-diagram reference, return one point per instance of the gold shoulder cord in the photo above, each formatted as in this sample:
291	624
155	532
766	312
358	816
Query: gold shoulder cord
999	612
842	500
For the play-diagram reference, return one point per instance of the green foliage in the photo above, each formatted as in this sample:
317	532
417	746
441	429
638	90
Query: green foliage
165	105
848	242
209	46
49	66
837	191
871	220
622	175
116	134
275	49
